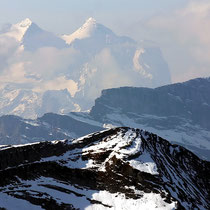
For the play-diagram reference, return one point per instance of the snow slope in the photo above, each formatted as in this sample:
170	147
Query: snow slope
18	30
84	31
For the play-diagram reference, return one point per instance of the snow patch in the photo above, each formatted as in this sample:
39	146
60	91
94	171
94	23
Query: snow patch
118	201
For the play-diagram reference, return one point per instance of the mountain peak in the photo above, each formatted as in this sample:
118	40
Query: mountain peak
24	23
84	31
18	30
88	27
90	21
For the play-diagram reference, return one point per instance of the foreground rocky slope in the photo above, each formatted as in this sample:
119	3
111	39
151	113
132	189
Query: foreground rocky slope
118	168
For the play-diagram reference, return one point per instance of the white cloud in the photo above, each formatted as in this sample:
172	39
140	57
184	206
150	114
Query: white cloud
41	70
8	49
105	72
49	61
58	83
184	36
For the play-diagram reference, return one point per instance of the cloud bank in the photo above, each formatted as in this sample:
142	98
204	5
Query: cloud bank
184	36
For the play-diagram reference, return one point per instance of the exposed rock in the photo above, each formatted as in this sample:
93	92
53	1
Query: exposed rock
123	163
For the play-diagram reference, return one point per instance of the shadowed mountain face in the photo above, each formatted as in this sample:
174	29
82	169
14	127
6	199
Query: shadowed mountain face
15	130
36	38
189	100
114	169
179	112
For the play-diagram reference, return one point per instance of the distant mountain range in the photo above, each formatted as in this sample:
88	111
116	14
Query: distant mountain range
15	130
178	112
119	168
39	67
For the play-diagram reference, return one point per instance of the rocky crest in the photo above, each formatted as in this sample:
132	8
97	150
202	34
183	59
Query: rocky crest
120	166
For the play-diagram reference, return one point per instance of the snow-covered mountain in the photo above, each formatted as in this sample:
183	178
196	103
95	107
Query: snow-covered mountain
31	36
17	31
20	101
118	169
85	62
89	28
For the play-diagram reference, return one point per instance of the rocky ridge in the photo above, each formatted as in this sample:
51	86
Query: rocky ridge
104	170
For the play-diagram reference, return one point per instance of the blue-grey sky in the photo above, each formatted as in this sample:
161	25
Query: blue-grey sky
179	27
64	15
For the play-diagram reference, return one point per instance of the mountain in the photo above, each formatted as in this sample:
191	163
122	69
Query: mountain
119	168
83	63
178	112
188	100
20	101
88	29
32	37
15	130
18	30
142	62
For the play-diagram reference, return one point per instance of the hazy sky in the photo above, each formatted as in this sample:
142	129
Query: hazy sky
64	15
180	27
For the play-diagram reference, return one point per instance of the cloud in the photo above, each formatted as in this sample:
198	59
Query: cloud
49	62
41	70
185	37
103	72
59	83
8	48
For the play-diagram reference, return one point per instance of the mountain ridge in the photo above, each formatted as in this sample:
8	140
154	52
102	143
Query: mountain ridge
130	166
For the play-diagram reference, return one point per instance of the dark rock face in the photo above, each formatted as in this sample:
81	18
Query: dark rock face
189	100
36	38
104	162
15	130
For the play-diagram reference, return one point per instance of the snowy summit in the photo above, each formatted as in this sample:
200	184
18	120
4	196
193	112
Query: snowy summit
18	30
85	31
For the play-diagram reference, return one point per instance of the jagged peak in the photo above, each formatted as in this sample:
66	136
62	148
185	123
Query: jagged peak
85	31
91	20
89	25
24	23
18	30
